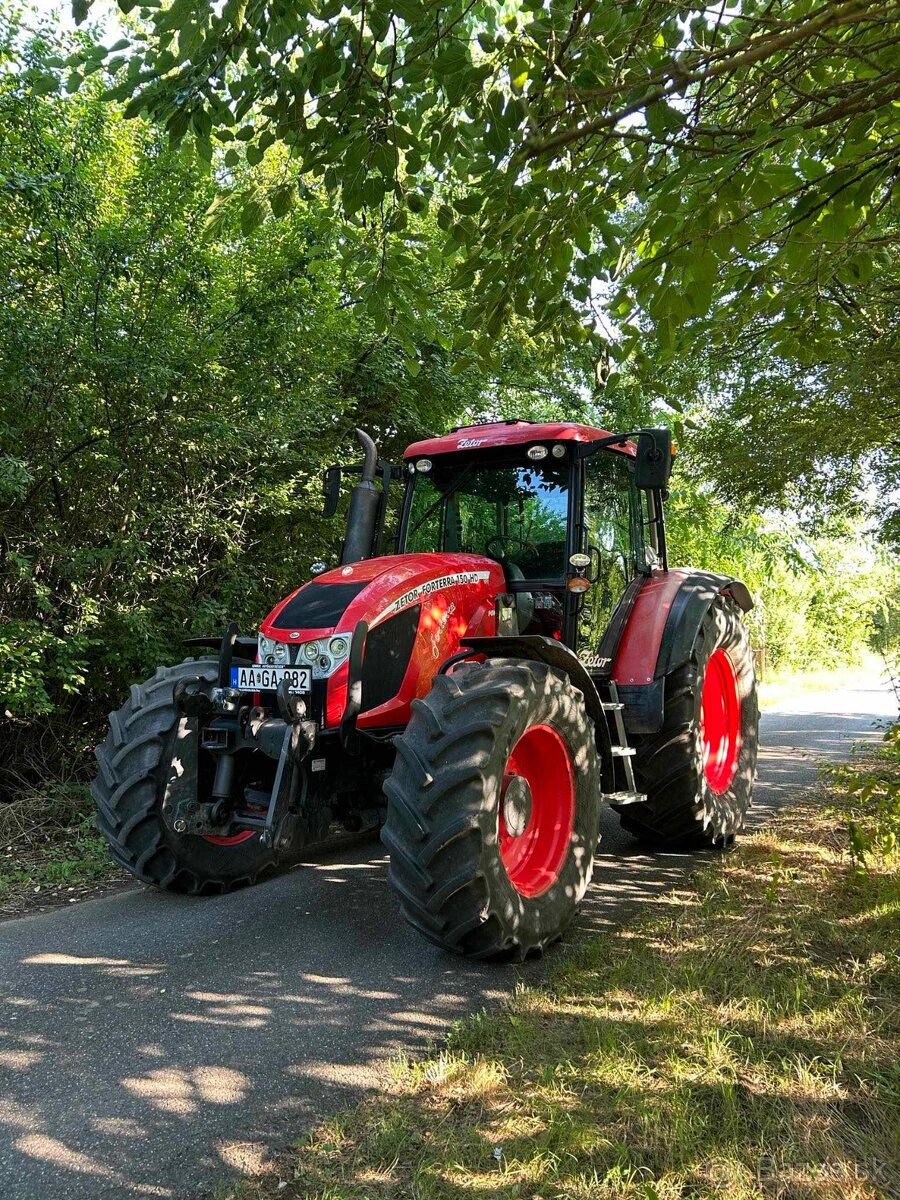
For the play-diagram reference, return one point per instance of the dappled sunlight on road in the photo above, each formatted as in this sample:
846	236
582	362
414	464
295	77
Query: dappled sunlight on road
203	1033
180	1090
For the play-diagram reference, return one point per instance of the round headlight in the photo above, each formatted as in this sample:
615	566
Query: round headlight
281	652
338	647
266	647
311	650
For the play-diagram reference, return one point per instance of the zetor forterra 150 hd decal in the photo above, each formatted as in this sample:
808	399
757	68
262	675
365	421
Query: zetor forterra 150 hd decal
474	678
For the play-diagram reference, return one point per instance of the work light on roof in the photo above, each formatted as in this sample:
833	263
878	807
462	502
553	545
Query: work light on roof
537	452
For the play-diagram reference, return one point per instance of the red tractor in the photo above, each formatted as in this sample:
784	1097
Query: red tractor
525	656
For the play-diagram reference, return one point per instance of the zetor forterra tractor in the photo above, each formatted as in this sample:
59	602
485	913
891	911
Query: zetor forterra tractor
526	656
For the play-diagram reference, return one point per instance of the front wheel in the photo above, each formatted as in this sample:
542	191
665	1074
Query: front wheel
494	809
150	757
698	770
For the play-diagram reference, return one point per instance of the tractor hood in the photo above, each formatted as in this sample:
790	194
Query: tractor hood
418	607
378	588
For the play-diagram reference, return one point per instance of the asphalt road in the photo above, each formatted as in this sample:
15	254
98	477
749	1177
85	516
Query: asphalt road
153	1044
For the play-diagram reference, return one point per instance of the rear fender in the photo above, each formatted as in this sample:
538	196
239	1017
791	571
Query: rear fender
660	635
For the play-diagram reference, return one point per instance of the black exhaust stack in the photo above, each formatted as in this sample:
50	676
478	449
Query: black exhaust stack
362	517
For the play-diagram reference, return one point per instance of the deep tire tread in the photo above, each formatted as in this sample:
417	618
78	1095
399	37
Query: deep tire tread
128	790
681	809
441	828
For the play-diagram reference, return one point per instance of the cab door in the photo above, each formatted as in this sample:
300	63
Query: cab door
613	535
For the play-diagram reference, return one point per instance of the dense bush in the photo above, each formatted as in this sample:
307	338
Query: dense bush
818	600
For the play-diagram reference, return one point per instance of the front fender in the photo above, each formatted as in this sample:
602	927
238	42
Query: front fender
554	654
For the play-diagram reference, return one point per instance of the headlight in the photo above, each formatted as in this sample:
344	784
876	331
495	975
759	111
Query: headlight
311	651
338	646
272	652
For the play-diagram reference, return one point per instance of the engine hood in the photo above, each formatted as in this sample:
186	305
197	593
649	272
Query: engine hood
418	608
376	589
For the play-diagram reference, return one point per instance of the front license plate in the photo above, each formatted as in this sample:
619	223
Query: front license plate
268	679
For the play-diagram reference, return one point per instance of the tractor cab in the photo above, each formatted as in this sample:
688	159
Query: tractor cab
565	510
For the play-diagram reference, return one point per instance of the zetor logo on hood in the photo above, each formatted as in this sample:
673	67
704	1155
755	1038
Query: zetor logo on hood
469	443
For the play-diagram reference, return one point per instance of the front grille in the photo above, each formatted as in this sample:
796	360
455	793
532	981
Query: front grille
388	648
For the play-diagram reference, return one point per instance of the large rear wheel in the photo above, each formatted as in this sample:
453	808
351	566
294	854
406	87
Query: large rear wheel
698	770
494	809
151	757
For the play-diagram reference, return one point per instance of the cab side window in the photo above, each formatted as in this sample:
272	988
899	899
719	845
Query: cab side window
614	529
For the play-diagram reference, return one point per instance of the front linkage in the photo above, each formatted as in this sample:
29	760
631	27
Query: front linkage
228	726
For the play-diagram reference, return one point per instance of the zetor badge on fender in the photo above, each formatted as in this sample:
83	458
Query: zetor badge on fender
476	683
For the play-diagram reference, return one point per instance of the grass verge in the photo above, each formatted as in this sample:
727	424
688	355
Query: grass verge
743	1041
50	853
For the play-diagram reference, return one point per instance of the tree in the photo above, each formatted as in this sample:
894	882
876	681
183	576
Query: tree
170	390
688	160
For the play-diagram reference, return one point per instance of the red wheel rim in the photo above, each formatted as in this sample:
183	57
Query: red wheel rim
534	857
720	722
234	840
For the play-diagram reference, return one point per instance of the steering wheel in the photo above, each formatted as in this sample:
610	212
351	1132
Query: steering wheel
499	547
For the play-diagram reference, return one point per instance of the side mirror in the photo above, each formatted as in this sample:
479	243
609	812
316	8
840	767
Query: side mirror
331	491
653	465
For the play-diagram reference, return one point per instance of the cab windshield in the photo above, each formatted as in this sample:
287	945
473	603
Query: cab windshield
512	513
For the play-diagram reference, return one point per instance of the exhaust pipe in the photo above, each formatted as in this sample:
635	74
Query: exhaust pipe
362	516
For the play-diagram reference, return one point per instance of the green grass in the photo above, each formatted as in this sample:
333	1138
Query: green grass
48	843
81	858
744	1041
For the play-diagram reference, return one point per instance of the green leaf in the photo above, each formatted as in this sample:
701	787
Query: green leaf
468	205
450	61
282	200
44	85
253	213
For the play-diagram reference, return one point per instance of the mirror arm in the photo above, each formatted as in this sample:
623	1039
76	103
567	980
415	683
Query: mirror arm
585	449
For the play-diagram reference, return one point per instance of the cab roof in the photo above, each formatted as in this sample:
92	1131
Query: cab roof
511	433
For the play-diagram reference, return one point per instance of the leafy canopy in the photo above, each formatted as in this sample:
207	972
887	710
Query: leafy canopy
169	393
671	161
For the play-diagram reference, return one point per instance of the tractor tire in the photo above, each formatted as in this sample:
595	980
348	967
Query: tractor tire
698	770
494	809
151	746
